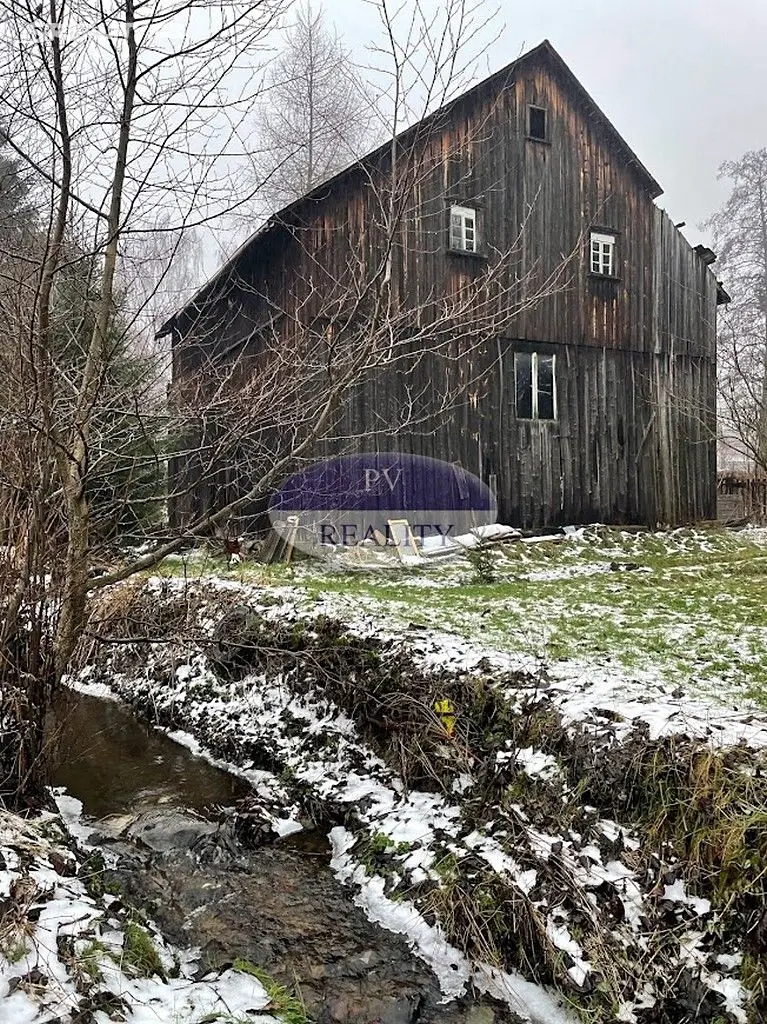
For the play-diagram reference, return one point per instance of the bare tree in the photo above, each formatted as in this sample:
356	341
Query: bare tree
315	114
158	270
265	370
133	133
119	114
740	236
260	379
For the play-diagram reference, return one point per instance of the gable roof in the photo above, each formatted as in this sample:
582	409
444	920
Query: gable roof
544	52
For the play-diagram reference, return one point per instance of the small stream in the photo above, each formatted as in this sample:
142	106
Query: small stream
280	906
114	763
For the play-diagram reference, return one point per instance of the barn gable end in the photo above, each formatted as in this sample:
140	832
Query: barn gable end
612	308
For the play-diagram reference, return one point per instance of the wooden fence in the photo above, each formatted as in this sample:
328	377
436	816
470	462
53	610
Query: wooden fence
741	495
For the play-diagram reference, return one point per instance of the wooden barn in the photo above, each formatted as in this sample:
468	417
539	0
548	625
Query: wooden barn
495	288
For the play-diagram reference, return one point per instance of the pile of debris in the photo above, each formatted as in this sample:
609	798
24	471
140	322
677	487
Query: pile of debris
399	546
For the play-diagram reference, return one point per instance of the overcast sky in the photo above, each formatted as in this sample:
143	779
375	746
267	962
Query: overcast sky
684	81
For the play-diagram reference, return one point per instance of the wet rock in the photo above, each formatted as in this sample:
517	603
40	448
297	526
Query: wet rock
168	829
29	982
63	863
287	913
113	825
480	1015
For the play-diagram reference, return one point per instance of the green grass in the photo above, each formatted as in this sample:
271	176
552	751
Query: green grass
15	952
89	956
282	1004
693	614
140	953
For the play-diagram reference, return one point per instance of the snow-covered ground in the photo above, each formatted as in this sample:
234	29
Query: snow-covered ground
687	607
684	649
616	923
64	952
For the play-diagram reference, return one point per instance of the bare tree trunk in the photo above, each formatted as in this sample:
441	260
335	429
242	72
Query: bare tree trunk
300	380
762	441
74	465
311	111
108	138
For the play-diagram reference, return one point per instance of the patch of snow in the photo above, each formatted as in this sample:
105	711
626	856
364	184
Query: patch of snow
735	995
451	967
287	826
493	854
536	763
560	937
71	811
66	910
676	893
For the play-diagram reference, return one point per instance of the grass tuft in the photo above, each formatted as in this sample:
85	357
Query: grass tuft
15	952
289	1008
140	953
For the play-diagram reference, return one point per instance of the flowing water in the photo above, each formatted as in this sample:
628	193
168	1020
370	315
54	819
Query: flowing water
279	906
114	763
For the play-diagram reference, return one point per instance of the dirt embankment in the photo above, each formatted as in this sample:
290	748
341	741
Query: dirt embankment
575	870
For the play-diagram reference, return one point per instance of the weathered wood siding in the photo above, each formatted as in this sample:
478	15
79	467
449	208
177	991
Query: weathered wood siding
634	437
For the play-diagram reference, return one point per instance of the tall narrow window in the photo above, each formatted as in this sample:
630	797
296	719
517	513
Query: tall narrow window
536	124
463	229
602	254
535	386
523	374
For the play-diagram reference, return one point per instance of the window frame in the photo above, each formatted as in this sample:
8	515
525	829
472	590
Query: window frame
603	238
465	213
545	111
535	355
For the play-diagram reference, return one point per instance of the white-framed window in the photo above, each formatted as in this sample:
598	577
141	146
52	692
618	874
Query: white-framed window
464	235
535	385
602	254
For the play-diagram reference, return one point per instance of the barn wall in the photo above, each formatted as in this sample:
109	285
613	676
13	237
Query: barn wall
634	441
620	451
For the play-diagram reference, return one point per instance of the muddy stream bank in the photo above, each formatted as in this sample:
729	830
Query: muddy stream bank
167	814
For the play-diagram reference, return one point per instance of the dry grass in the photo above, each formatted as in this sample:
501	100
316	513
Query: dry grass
683	800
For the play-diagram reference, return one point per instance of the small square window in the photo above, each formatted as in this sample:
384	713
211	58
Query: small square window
602	254
536	124
464	235
535	386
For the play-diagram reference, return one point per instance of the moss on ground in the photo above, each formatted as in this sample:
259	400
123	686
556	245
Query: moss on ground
15	951
87	959
282	1003
140	953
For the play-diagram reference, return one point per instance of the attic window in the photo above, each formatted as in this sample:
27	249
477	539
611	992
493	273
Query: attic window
602	260
536	124
463	229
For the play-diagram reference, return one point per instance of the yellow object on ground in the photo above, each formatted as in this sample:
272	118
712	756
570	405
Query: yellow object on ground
445	711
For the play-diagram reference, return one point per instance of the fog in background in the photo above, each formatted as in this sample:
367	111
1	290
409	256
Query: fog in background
684	81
